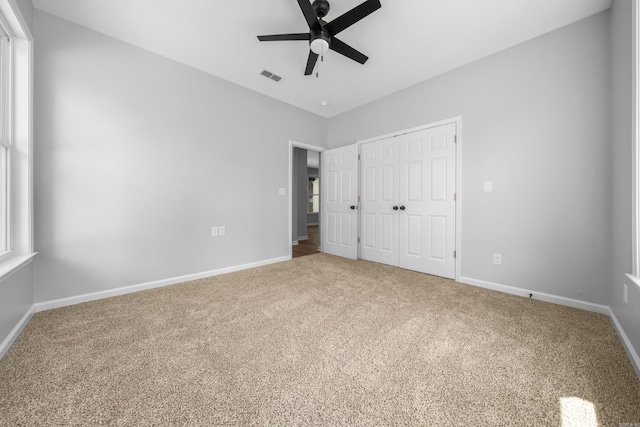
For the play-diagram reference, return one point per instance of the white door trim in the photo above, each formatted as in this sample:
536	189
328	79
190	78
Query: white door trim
293	144
458	122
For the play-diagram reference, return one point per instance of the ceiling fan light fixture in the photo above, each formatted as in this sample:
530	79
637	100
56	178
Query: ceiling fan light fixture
319	46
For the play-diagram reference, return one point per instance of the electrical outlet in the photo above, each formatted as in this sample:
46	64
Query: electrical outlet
488	186
497	259
625	291
214	231
223	230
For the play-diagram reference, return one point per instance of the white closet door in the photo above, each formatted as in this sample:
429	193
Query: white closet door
339	186
378	197
427	188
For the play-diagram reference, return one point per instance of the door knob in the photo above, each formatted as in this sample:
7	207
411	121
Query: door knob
353	207
395	208
402	208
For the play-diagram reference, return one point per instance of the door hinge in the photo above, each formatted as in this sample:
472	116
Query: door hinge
358	198
454	253
455	197
358	156
455	139
358	240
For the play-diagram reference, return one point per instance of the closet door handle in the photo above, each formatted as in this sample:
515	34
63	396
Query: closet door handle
402	208
395	208
353	207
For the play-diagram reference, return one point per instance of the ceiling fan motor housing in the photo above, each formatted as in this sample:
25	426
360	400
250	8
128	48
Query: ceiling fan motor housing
321	7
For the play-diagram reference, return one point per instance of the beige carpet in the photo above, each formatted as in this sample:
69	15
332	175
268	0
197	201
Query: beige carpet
318	340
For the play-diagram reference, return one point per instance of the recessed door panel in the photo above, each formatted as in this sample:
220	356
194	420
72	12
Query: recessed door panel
331	187
439	179
388	180
346	223
438	141
438	240
369	231
414	235
414	181
347	181
387	232
332	227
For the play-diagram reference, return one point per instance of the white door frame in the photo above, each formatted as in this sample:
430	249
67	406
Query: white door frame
292	145
458	122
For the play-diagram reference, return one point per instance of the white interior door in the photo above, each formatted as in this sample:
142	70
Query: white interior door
427	201
340	201
378	198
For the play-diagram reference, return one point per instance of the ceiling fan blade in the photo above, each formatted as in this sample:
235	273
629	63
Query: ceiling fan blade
279	37
311	63
351	17
309	14
346	50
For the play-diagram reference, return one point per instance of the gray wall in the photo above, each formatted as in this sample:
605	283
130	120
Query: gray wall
536	122
16	299
137	157
622	132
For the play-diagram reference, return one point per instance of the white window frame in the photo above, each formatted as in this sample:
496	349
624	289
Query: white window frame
6	103
636	144
20	175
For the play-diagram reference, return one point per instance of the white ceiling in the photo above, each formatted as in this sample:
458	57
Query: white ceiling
407	41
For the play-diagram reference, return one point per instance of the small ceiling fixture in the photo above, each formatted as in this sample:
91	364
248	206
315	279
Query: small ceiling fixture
324	103
322	34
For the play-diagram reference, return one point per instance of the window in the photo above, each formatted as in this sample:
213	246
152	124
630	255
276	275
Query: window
16	161
636	140
5	142
314	195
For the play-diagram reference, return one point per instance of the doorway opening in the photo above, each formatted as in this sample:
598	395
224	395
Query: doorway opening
305	199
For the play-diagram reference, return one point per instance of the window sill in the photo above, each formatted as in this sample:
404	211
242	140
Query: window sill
635	280
13	264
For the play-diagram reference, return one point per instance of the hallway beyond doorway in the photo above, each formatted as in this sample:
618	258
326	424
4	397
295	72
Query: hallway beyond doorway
309	246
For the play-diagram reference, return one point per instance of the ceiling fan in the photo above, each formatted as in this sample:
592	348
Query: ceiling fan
322	34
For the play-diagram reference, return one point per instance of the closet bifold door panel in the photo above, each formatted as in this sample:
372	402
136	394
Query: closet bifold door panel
408	202
379	163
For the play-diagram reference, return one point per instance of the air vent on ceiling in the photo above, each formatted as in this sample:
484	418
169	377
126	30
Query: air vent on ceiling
270	75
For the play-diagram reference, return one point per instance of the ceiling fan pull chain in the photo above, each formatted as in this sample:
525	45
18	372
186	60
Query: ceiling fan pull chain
321	60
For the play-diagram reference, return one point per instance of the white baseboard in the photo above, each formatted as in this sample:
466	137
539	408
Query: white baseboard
303	238
16	331
631	352
570	302
295	243
63	302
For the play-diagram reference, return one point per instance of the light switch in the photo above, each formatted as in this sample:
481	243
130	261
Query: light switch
488	186
214	231
283	191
